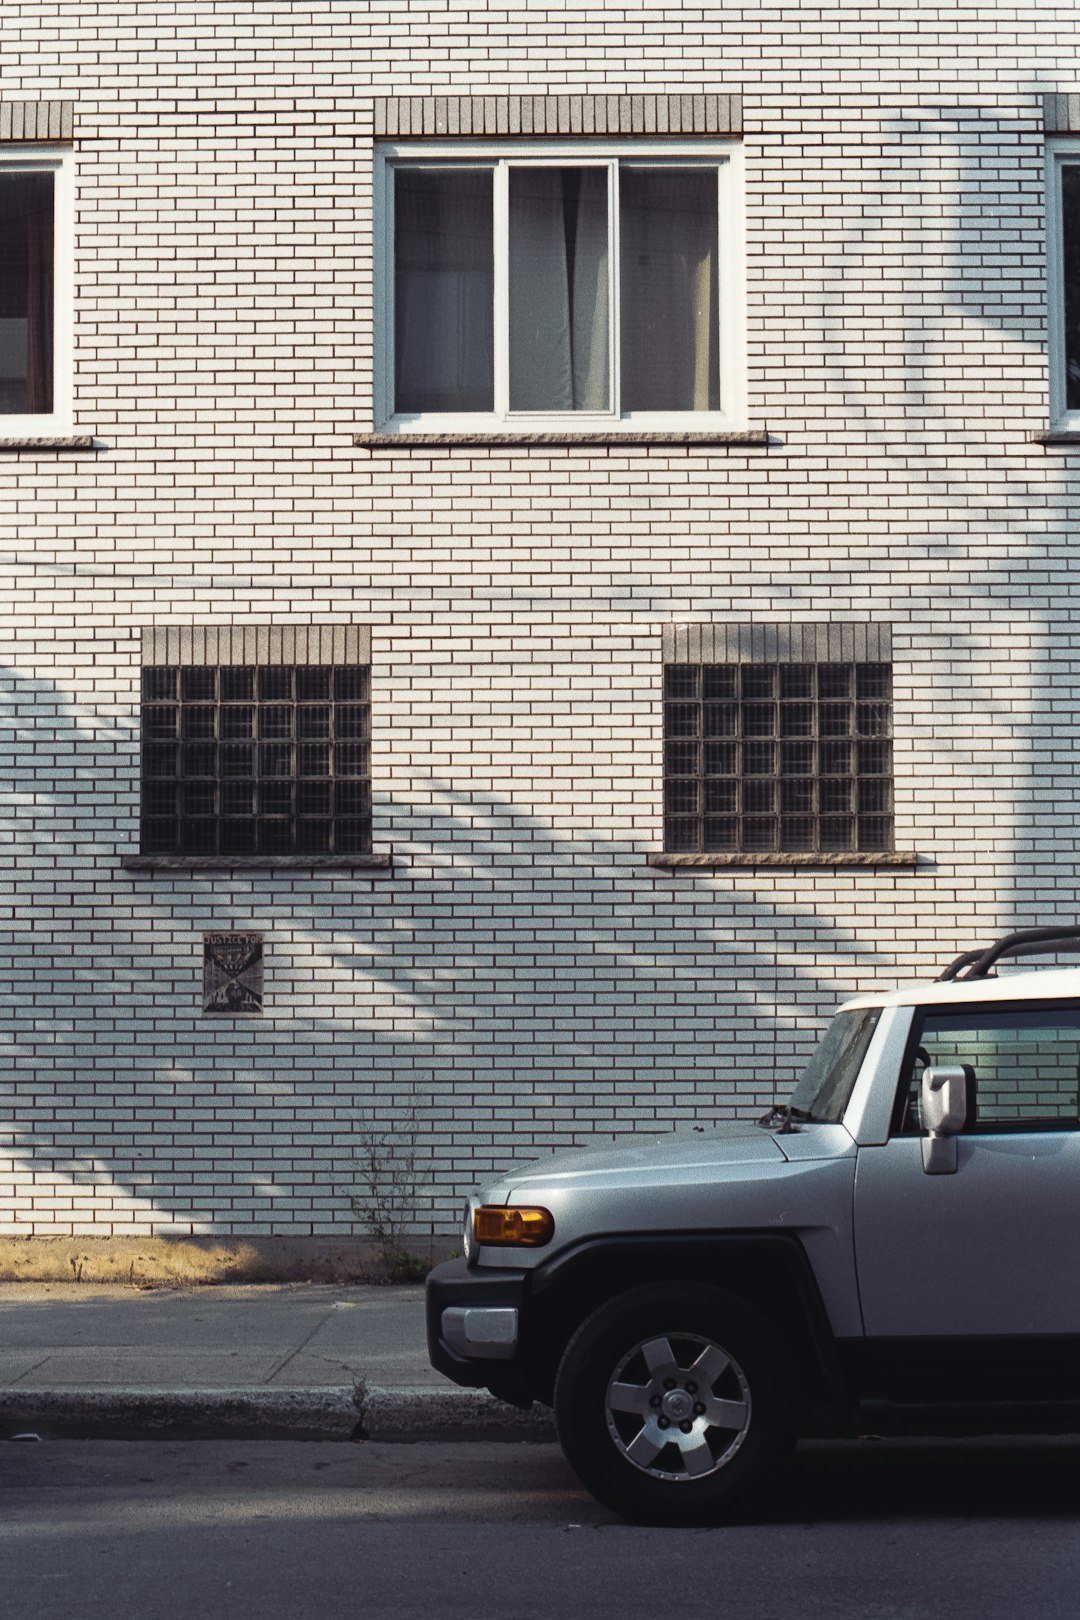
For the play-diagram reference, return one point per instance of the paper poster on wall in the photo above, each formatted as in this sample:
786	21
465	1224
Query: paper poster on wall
233	974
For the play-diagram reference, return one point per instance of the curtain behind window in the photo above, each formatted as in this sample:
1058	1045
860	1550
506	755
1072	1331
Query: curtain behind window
443	290
559	290
26	294
669	223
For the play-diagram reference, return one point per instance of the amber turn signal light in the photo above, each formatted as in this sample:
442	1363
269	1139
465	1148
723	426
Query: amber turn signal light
513	1224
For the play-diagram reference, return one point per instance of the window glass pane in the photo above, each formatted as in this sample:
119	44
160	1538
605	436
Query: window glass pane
197	685
719	759
443	290
681	797
681	681
26	294
237	684
238	721
159	684
824	794
352	835
680	834
758	681
682	719
826	1084
718	681
313	684
721	797
669	222
875	832
350	759
558	252
352	798
351	685
275	837
1070	235
720	719
275	683
313	720
721	835
1025	1065
237	798
351	720
220	790
313	759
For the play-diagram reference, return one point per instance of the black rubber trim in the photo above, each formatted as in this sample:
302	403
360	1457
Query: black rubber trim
456	1283
1000	1372
677	1248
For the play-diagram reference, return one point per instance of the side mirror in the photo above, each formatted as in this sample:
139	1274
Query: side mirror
944	1104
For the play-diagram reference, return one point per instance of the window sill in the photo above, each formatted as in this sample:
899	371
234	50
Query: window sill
506	438
901	859
1056	436
45	441
257	863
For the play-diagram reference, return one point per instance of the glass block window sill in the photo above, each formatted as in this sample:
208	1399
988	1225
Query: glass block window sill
257	863
901	859
1057	436
71	441
560	436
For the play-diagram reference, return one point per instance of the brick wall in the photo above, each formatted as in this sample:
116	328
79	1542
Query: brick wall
522	977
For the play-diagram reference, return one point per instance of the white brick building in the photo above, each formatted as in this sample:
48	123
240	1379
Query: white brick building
234	460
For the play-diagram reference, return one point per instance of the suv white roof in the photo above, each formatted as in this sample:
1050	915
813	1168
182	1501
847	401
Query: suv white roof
1045	984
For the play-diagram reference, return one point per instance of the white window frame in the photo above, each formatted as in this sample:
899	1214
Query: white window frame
1059	154
723	155
60	162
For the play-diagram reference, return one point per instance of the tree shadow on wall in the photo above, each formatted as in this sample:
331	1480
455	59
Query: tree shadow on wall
524	989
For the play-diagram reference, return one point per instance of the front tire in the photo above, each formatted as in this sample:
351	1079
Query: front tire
672	1401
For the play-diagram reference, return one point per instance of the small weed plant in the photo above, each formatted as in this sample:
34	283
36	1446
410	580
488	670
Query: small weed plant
384	1191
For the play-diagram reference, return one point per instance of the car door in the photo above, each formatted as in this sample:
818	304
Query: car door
990	1249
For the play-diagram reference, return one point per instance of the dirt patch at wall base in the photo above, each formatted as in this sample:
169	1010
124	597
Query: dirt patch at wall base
177	1262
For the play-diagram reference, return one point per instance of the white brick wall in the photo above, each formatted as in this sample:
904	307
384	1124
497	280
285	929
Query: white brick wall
523	970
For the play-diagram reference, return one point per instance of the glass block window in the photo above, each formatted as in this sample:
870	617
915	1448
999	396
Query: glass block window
243	759
763	758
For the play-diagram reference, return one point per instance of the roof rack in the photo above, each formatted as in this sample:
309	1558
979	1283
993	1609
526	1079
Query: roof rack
1028	942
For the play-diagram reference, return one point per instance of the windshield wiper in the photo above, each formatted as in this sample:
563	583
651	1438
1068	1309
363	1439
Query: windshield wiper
783	1116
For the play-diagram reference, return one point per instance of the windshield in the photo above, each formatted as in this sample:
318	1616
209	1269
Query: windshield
826	1083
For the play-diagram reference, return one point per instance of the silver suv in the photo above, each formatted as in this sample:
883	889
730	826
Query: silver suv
896	1245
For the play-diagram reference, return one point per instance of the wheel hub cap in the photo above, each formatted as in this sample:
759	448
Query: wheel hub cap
678	1406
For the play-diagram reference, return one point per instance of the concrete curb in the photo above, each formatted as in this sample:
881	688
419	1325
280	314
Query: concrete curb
397	1412
363	1412
138	1413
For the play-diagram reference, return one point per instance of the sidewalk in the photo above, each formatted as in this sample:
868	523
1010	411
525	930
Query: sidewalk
266	1360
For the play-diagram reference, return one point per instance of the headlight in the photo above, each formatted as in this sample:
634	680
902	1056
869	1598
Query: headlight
513	1225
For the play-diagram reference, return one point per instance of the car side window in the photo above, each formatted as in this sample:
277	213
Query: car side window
1026	1064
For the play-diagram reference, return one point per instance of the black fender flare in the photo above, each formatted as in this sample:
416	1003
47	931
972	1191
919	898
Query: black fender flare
770	1269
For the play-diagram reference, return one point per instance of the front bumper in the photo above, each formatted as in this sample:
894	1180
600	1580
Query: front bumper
478	1344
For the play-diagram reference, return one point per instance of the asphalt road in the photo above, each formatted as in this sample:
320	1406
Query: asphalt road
258	1530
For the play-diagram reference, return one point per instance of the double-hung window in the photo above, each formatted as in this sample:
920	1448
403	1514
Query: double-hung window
572	284
35	289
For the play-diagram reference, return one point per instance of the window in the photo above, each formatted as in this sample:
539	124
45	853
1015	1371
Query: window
524	285
1026	1064
825	1085
247	759
35	283
775	757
